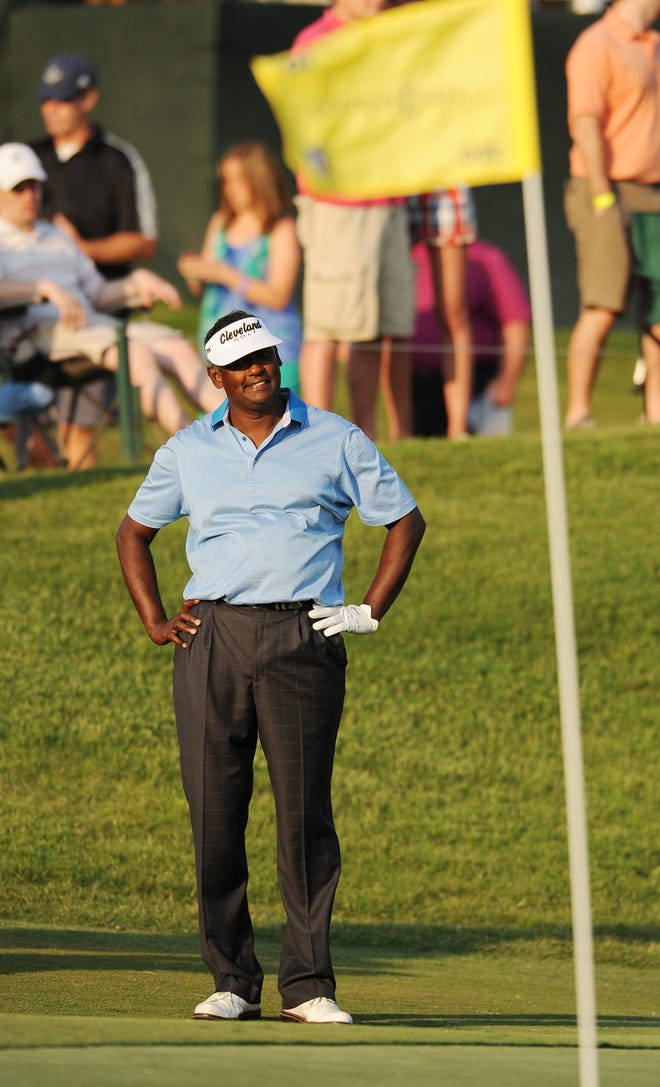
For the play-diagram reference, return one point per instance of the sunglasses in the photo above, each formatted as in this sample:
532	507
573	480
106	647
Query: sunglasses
23	186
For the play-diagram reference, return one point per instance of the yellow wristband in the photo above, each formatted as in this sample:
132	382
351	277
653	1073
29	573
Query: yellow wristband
603	201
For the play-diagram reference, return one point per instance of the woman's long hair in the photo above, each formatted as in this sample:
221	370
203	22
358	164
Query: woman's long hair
265	175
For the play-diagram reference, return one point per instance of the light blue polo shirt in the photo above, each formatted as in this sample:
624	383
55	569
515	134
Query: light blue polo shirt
267	524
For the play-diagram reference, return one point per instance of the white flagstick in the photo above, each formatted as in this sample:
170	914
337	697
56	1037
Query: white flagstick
562	594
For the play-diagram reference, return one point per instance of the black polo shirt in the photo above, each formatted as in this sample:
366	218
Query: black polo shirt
95	189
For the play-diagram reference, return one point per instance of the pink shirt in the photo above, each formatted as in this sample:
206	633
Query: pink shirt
328	22
612	74
496	296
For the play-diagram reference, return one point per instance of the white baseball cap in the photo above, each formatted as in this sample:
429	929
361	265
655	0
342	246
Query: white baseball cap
237	340
18	162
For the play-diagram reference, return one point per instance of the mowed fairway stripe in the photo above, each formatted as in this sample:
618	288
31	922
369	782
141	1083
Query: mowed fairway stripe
236	1066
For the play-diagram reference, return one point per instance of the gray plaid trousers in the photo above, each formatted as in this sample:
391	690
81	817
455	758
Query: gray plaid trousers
252	672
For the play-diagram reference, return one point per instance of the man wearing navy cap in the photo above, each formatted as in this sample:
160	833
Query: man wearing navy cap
98	188
267	483
98	191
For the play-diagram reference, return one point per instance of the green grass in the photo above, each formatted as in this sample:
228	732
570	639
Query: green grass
521	996
237	1065
94	1007
449	763
452	921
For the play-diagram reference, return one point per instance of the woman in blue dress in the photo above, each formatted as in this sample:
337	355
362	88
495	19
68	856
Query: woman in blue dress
250	257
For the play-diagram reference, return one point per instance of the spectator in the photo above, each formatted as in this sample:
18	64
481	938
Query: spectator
614	121
445	220
500	316
67	299
99	192
250	256
358	282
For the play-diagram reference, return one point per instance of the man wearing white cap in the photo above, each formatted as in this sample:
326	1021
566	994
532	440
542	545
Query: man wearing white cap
68	302
267	483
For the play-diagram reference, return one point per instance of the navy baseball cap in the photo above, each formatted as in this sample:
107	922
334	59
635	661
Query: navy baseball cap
65	77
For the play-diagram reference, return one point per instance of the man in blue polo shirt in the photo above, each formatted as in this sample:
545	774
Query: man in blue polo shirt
267	484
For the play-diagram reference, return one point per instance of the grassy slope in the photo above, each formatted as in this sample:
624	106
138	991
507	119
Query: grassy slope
448	788
455	883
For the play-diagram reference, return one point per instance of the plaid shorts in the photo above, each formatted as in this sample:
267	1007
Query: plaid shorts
444	217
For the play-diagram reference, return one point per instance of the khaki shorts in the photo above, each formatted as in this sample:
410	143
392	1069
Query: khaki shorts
603	254
59	342
359	281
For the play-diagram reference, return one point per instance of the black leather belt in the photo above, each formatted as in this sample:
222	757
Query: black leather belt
279	605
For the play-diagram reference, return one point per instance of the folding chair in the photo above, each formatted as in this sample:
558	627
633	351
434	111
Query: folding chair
25	398
76	374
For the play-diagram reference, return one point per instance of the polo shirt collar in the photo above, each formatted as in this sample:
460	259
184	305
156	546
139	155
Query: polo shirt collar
95	140
620	28
295	412
8	230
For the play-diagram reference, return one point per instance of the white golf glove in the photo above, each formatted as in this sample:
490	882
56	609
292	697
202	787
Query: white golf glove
335	618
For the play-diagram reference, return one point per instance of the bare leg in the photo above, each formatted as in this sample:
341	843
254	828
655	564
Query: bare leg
584	347
395	384
363	372
78	444
157	398
176	356
449	266
318	365
651	353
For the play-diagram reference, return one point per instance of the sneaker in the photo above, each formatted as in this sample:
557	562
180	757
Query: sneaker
639	376
226	1006
321	1009
489	419
587	422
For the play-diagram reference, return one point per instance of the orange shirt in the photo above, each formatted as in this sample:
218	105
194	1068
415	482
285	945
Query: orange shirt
613	73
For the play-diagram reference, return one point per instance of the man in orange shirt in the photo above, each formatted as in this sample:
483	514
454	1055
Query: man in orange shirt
614	120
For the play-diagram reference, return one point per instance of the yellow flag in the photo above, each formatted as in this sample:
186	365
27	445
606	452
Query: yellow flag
439	92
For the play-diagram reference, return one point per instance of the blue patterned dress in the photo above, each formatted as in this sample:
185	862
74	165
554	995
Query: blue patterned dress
251	259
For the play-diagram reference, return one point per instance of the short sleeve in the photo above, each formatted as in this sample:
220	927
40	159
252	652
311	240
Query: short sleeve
159	500
125	198
586	77
370	483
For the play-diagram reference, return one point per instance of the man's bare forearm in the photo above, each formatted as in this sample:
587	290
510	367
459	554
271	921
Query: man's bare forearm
589	140
124	246
17	293
403	538
137	564
134	550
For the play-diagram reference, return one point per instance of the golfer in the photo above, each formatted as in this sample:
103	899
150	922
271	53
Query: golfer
267	484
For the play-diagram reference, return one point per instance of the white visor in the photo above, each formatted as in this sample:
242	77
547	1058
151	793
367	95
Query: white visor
237	340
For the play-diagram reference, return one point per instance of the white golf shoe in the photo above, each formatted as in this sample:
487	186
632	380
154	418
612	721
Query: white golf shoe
226	1006
321	1009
